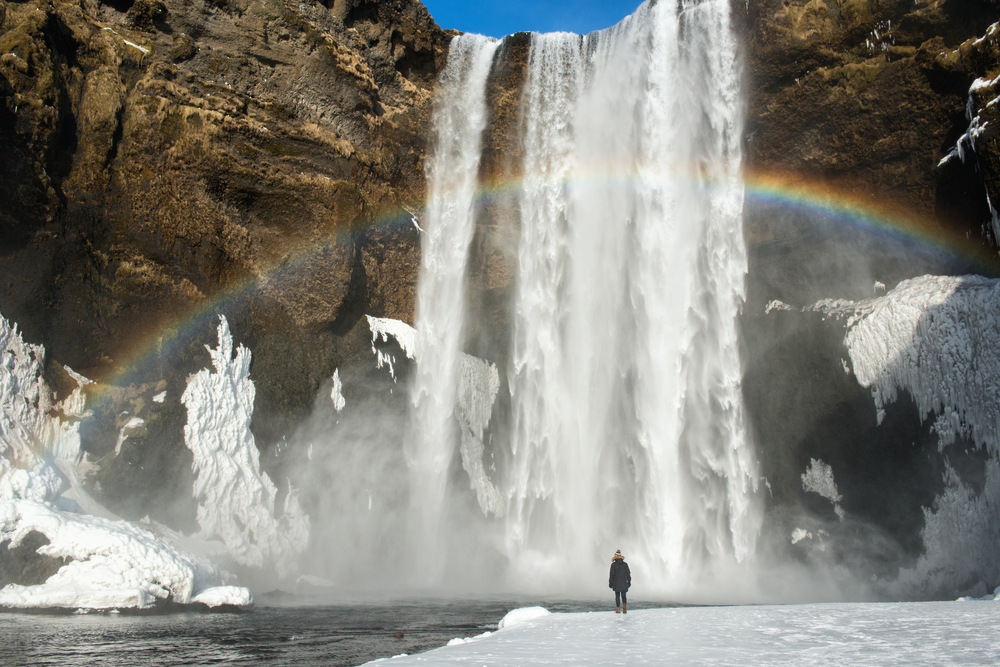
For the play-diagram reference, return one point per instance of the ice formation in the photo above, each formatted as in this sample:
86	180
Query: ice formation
937	338
109	563
336	392
980	89
132	425
235	499
403	333
477	384
800	534
818	478
30	437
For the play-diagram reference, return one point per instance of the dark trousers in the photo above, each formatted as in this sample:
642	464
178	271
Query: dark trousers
620	598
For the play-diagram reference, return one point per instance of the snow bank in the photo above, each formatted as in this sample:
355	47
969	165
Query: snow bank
923	634
111	563
517	616
236	499
217	596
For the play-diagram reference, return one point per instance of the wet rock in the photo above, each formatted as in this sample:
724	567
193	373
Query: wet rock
23	565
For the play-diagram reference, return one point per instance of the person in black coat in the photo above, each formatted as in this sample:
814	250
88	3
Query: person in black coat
619	581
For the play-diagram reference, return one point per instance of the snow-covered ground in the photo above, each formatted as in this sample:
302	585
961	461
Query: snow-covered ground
869	634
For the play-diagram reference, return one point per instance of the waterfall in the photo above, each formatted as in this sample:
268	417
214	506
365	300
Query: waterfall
626	422
459	118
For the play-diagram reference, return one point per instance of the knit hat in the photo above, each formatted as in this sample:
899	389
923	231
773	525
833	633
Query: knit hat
618	554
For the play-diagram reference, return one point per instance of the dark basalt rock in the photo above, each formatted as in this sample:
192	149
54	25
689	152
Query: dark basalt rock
23	564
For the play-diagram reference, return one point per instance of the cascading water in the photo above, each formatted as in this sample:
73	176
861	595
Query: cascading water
626	423
459	118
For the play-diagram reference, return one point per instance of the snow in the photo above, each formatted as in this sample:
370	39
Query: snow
873	635
159	398
111	563
217	596
522	615
236	499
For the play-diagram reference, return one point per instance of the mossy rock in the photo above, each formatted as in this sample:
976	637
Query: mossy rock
145	13
183	49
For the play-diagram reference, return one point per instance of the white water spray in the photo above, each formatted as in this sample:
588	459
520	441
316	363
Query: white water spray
628	425
460	116
626	416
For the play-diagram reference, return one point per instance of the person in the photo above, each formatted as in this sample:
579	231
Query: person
619	581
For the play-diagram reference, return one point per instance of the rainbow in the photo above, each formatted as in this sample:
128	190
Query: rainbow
809	198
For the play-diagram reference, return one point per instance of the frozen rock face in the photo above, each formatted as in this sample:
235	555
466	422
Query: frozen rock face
236	499
916	454
32	435
938	340
62	549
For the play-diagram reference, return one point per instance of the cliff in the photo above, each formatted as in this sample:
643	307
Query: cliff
166	161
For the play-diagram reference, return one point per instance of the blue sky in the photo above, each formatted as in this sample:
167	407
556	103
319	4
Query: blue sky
497	18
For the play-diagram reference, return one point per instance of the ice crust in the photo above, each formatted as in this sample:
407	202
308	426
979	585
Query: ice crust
236	499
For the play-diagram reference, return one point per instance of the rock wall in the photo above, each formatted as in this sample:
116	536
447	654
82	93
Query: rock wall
164	161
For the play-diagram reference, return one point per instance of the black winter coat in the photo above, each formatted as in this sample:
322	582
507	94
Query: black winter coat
620	578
